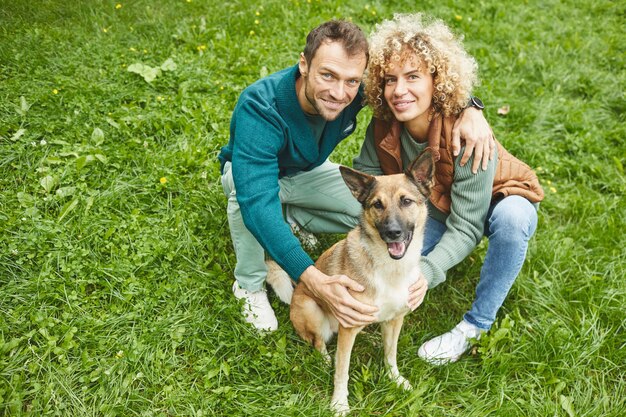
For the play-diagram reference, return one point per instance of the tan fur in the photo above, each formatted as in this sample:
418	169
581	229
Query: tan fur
363	256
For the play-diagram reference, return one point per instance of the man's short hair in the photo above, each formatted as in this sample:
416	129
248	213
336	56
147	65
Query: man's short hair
350	35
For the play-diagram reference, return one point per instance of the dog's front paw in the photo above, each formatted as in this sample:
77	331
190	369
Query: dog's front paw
400	381
340	406
404	383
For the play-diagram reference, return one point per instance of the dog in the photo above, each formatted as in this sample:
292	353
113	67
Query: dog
382	253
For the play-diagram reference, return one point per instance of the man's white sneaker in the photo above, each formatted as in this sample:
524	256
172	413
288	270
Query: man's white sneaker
256	308
450	346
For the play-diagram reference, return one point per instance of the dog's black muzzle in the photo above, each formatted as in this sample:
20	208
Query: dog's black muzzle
397	236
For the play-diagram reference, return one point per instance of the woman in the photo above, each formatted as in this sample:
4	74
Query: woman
419	79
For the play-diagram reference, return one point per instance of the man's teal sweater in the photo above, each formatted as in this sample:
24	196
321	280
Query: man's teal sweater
269	139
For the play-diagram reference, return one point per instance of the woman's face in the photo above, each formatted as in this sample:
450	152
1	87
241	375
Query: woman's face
409	90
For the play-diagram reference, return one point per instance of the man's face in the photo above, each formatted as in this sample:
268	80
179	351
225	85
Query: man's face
331	81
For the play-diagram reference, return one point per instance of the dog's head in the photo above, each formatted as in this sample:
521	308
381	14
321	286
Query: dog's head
393	205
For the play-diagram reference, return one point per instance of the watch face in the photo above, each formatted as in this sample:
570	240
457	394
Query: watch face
476	102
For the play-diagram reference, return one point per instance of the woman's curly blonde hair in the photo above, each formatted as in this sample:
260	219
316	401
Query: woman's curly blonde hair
394	41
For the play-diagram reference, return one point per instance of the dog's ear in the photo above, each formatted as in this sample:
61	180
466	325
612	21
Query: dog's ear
358	182
422	171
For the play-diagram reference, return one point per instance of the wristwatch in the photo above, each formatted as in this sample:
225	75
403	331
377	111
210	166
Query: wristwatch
475	102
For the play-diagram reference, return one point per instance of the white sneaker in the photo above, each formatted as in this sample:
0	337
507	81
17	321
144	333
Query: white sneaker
256	309
450	346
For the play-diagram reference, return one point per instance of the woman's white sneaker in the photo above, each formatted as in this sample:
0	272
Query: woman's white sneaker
450	346
256	308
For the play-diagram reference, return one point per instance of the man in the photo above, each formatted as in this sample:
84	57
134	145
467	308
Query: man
275	166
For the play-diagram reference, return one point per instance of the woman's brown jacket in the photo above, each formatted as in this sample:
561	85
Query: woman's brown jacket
512	176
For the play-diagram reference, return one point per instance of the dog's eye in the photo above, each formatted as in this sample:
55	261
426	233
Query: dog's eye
406	202
378	205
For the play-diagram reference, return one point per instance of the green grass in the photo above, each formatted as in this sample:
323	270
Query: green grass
116	260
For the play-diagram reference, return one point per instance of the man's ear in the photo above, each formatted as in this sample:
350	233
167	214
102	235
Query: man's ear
358	182
422	171
303	67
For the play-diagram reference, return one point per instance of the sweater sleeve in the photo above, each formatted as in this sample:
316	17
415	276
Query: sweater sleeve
471	197
259	135
367	160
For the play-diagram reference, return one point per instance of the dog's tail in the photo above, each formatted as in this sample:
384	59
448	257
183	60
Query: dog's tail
280	281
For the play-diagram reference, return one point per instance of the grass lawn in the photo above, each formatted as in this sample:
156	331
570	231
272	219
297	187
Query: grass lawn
116	260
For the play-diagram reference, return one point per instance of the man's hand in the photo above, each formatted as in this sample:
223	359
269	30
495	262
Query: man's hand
332	291
417	292
472	127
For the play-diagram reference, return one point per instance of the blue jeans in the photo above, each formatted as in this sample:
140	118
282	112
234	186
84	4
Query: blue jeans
510	224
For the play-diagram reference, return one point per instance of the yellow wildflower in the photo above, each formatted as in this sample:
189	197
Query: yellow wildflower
55	91
201	48
251	33
553	189
163	180
257	13
105	30
458	17
256	21
118	6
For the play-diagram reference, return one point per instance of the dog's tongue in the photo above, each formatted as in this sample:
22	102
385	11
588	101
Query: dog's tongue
396	248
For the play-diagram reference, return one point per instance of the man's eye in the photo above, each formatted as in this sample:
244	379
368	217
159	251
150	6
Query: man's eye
353	83
327	76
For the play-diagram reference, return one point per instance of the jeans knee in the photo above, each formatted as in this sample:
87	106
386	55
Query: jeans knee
516	217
